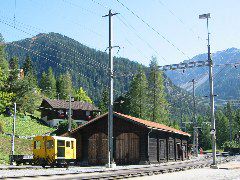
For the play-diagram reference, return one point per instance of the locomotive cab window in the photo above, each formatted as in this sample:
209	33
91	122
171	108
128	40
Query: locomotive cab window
72	144
49	144
67	143
37	145
61	143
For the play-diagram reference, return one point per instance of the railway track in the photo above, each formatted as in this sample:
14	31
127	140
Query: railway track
123	173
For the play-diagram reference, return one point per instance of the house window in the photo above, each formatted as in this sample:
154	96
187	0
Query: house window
61	114
87	113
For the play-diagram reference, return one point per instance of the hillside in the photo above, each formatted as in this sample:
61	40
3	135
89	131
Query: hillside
226	79
88	67
25	127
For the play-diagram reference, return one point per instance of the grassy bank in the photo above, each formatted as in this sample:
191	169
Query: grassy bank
25	126
22	146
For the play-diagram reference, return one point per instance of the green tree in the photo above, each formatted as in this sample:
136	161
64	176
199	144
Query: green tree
5	96
64	85
3	64
222	130
28	66
63	128
158	104
103	104
204	136
230	115
14	68
81	95
43	81
48	84
137	96
29	71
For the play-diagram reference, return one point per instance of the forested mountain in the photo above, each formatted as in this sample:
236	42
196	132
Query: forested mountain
226	78
89	67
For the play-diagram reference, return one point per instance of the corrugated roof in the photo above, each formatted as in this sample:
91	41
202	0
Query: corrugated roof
148	124
75	105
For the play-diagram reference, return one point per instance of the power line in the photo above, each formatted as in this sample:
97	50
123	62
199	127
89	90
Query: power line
77	57
52	38
129	26
179	19
105	7
152	28
48	59
76	5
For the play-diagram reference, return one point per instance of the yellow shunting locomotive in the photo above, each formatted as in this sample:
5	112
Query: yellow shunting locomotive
53	150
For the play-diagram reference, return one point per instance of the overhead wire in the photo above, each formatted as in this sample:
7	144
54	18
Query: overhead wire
153	29
179	19
48	59
93	64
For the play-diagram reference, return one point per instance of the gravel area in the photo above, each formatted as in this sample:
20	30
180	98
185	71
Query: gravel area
196	174
226	171
73	171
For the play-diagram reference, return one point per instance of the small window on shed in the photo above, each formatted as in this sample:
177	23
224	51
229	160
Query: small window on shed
67	143
49	144
72	144
87	113
37	145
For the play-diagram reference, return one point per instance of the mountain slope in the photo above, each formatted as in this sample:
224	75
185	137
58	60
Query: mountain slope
89	67
226	78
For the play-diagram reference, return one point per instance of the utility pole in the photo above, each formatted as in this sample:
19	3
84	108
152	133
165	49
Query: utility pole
13	130
213	124
195	128
70	113
110	108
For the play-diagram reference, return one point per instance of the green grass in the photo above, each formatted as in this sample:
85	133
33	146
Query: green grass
22	146
25	126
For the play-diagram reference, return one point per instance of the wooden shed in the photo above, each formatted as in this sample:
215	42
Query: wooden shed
136	141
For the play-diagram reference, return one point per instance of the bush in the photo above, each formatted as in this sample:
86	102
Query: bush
63	128
230	145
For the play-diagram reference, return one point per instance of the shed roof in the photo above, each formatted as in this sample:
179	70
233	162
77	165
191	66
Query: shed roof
75	105
148	124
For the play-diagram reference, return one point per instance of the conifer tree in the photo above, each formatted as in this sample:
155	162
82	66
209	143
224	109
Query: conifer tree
222	130
5	96
137	96
158	105
13	65
29	72
64	85
43	81
48	84
3	63
103	104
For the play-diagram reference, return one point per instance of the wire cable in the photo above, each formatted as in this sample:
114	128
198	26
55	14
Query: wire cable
152	28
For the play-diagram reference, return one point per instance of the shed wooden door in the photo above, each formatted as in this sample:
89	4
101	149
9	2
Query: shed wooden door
127	148
170	150
97	149
162	150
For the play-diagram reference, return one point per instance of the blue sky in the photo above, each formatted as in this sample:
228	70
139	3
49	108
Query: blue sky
176	20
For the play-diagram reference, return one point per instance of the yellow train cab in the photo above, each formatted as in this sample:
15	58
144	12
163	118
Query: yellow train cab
54	150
